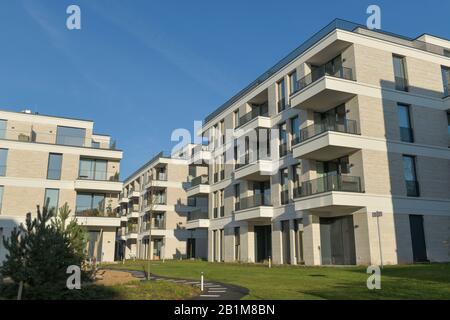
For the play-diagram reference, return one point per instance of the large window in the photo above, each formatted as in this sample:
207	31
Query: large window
3	159
448	123
295	130
92	169
284	186
446	80
1	198
404	122
70	136
293	82
401	80
54	166
281	95
283	139
51	199
90	204
237	196
3	129
409	171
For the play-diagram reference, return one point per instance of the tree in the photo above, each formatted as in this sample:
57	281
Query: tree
40	252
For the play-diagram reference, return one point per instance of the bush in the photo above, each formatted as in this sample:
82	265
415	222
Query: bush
40	252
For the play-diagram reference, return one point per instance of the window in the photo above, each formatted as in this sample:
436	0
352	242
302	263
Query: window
237	243
409	171
281	95
222	132
293	82
404	122
295	130
92	169
3	129
54	166
446	80
284	186
222	202
3	160
448	123
401	81
51	199
297	173
1	198
283	139
237	196
90	204
70	136
215	203
236	118
446	52
95	144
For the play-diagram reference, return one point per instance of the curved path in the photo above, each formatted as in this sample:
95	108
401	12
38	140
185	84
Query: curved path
212	290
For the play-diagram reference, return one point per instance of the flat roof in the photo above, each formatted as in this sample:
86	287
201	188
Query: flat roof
333	25
45	115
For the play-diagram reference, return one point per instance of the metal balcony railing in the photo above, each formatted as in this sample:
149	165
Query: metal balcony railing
257	200
330	182
340	72
259	111
347	126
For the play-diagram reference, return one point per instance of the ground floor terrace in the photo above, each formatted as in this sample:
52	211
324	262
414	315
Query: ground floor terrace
342	236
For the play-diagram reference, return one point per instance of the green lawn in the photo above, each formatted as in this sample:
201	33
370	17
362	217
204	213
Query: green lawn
134	290
431	281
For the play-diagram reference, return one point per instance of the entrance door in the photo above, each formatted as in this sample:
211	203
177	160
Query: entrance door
418	238
263	242
286	243
190	248
337	241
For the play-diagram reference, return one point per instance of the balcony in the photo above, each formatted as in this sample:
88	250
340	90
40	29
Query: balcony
323	89
131	231
331	192
36	136
134	194
199	186
256	207
95	185
133	211
258	117
123	200
201	155
94	217
259	170
327	141
197	219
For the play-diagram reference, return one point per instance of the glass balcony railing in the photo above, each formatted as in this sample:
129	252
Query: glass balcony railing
257	200
202	179
89	212
31	135
347	126
131	228
341	72
197	215
259	111
98	175
330	182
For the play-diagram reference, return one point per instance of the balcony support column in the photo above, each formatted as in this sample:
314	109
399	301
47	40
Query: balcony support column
292	242
311	240
277	247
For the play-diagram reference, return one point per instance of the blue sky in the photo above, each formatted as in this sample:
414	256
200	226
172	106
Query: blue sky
143	68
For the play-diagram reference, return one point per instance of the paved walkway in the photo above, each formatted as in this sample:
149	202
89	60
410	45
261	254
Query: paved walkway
211	290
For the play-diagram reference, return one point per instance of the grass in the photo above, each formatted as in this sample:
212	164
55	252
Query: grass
427	281
134	290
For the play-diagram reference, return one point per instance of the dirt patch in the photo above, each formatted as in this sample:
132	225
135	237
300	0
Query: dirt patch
112	277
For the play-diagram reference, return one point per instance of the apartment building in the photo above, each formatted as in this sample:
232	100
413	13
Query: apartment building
339	155
154	204
55	160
